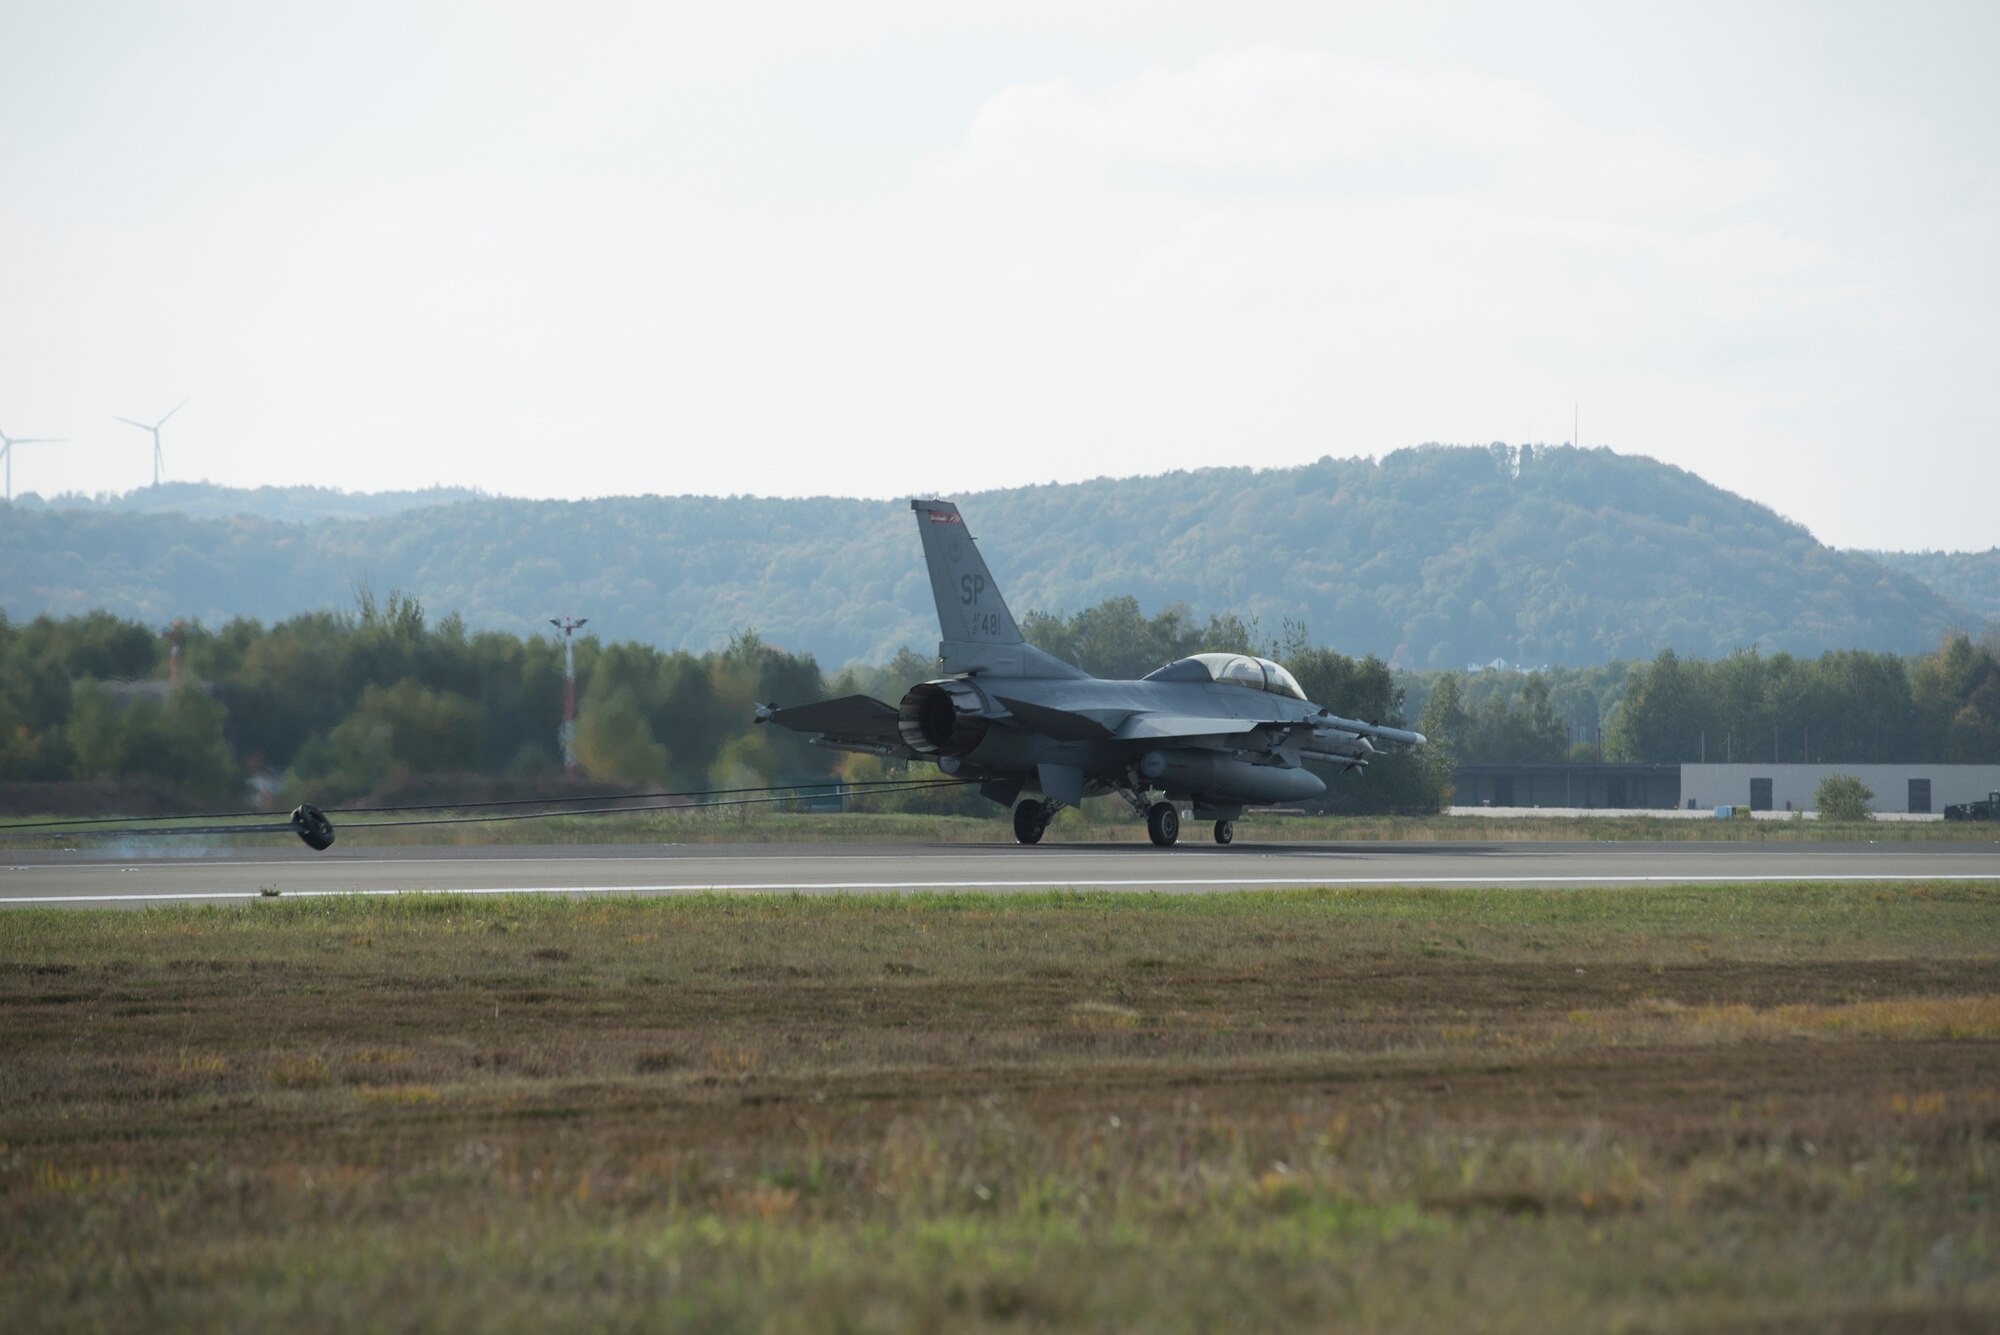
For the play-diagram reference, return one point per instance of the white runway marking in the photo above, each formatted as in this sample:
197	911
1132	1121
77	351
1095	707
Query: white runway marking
1233	882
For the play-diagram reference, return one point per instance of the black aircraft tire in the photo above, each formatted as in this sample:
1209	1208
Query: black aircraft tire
310	824
1225	830
1029	822
1163	824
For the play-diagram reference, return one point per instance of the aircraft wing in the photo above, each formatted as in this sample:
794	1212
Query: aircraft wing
1342	732
1062	724
1144	727
846	723
1066	725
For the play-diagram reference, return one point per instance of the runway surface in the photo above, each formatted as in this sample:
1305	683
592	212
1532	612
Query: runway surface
154	875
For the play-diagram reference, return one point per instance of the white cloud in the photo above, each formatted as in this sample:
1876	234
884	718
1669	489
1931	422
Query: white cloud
1293	120
1379	209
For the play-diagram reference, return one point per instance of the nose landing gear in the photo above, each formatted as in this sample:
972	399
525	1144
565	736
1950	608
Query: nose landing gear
1225	831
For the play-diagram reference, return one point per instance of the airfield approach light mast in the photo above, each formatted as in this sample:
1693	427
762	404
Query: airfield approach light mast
568	734
173	635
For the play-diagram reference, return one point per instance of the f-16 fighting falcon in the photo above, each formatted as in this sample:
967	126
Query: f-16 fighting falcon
1215	731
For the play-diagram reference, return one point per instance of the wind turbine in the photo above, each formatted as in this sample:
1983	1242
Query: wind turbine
159	460
7	444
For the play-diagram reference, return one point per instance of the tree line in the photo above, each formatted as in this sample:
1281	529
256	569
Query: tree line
1845	707
376	701
381	701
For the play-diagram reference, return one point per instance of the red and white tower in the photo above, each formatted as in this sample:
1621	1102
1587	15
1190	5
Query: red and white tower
173	635
567	737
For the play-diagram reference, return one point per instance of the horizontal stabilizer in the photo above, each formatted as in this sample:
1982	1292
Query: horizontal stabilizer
1060	724
846	716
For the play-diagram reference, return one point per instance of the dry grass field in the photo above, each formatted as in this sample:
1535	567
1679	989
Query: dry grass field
1769	1108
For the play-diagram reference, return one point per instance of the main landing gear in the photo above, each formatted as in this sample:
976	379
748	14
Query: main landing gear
1031	818
1163	825
1163	822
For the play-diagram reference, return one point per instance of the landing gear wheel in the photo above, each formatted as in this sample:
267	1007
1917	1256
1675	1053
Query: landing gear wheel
1163	823
1030	819
1225	830
310	824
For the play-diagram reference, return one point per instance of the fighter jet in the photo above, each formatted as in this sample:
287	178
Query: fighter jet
1216	732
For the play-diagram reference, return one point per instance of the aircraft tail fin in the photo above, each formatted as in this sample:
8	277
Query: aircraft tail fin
980	634
969	606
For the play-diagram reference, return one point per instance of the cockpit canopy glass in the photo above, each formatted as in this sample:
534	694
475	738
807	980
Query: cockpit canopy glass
1259	674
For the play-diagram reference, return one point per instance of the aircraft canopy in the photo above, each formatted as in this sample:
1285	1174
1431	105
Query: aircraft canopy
1259	674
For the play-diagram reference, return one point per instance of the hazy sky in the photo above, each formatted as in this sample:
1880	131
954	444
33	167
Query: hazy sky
585	249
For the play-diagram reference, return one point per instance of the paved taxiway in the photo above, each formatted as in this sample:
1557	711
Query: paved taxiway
155	875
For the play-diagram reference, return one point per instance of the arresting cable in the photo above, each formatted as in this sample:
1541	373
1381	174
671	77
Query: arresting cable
311	823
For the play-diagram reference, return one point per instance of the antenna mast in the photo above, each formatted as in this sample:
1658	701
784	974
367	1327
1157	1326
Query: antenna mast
566	737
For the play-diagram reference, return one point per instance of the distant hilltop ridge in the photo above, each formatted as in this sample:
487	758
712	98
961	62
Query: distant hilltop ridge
1970	579
207	500
1433	556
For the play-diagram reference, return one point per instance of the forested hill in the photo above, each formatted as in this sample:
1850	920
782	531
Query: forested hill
206	500
1970	579
1433	557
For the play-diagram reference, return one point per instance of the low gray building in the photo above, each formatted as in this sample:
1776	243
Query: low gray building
1575	785
1913	787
